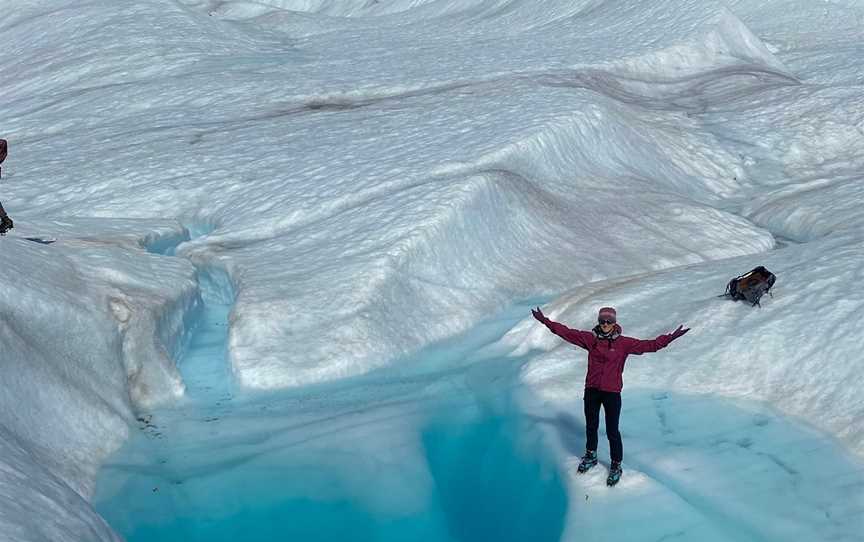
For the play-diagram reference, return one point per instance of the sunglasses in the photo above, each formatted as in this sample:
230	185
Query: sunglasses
607	322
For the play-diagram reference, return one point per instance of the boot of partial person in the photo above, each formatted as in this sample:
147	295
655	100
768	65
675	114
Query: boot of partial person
6	224
588	461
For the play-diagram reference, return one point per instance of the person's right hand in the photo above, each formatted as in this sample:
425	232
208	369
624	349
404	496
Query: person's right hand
538	314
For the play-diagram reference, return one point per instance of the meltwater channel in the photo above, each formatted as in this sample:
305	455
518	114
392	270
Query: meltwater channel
424	455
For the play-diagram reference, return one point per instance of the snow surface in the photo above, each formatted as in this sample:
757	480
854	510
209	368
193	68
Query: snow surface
355	182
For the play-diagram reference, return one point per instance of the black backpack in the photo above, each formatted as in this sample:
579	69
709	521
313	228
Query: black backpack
751	286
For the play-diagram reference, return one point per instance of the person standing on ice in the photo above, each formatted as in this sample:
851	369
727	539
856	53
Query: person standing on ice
6	223
607	351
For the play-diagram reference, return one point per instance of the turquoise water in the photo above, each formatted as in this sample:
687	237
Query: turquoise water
487	486
459	463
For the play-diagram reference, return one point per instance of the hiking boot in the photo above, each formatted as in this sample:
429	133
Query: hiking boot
588	461
614	473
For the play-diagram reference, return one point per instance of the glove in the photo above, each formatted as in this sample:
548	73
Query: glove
6	224
538	314
678	332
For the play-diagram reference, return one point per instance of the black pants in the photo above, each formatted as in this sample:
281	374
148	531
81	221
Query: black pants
611	403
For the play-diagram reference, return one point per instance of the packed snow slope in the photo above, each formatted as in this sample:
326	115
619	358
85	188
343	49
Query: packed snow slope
378	176
345	172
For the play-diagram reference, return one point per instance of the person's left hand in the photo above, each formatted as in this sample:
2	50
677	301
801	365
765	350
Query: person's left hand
678	332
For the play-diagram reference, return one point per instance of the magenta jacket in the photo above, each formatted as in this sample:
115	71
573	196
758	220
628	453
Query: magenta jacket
606	357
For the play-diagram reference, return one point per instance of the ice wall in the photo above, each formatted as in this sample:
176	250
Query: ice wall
89	323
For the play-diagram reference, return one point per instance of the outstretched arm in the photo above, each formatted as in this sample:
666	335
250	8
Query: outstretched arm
643	346
574	336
